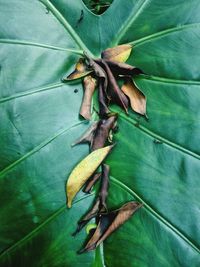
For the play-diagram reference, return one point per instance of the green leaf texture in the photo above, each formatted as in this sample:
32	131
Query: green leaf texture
155	162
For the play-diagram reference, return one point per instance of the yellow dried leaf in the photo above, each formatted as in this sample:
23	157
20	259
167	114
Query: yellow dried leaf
82	172
80	71
118	53
137	98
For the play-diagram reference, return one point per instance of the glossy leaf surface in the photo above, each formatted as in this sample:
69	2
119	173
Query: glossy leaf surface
155	162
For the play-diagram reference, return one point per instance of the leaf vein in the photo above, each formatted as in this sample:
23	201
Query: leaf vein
38	228
30	43
154	213
37	148
66	25
160	138
163	33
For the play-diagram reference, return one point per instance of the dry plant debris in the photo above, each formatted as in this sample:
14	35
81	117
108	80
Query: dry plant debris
102	74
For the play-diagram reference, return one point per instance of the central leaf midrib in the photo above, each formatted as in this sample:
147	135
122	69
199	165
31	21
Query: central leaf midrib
67	26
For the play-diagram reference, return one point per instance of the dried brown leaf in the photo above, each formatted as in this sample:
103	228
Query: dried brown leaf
104	187
137	98
116	95
102	132
90	183
123	69
99	71
100	203
81	70
109	222
118	53
89	84
103	101
88	136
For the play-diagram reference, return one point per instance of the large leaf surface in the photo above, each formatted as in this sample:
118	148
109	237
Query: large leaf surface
156	162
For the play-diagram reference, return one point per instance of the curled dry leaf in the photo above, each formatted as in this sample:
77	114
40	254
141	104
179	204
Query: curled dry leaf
109	222
100	203
116	95
88	136
104	187
83	171
103	101
98	133
123	69
91	182
99	71
103	84
102	132
91	214
81	70
89	87
137	98
118	53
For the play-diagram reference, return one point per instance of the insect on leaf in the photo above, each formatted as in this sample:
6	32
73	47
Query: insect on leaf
83	171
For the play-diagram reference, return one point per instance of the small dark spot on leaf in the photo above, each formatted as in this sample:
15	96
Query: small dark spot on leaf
158	142
75	91
47	10
137	124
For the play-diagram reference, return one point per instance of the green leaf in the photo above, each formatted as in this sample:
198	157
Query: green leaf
155	162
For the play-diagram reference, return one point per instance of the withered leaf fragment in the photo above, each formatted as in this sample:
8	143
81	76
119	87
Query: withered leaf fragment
123	69
81	70
98	133
117	96
88	136
103	101
100	203
104	187
109	222
91	182
99	71
102	132
83	171
91	214
137	98
89	87
118	53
